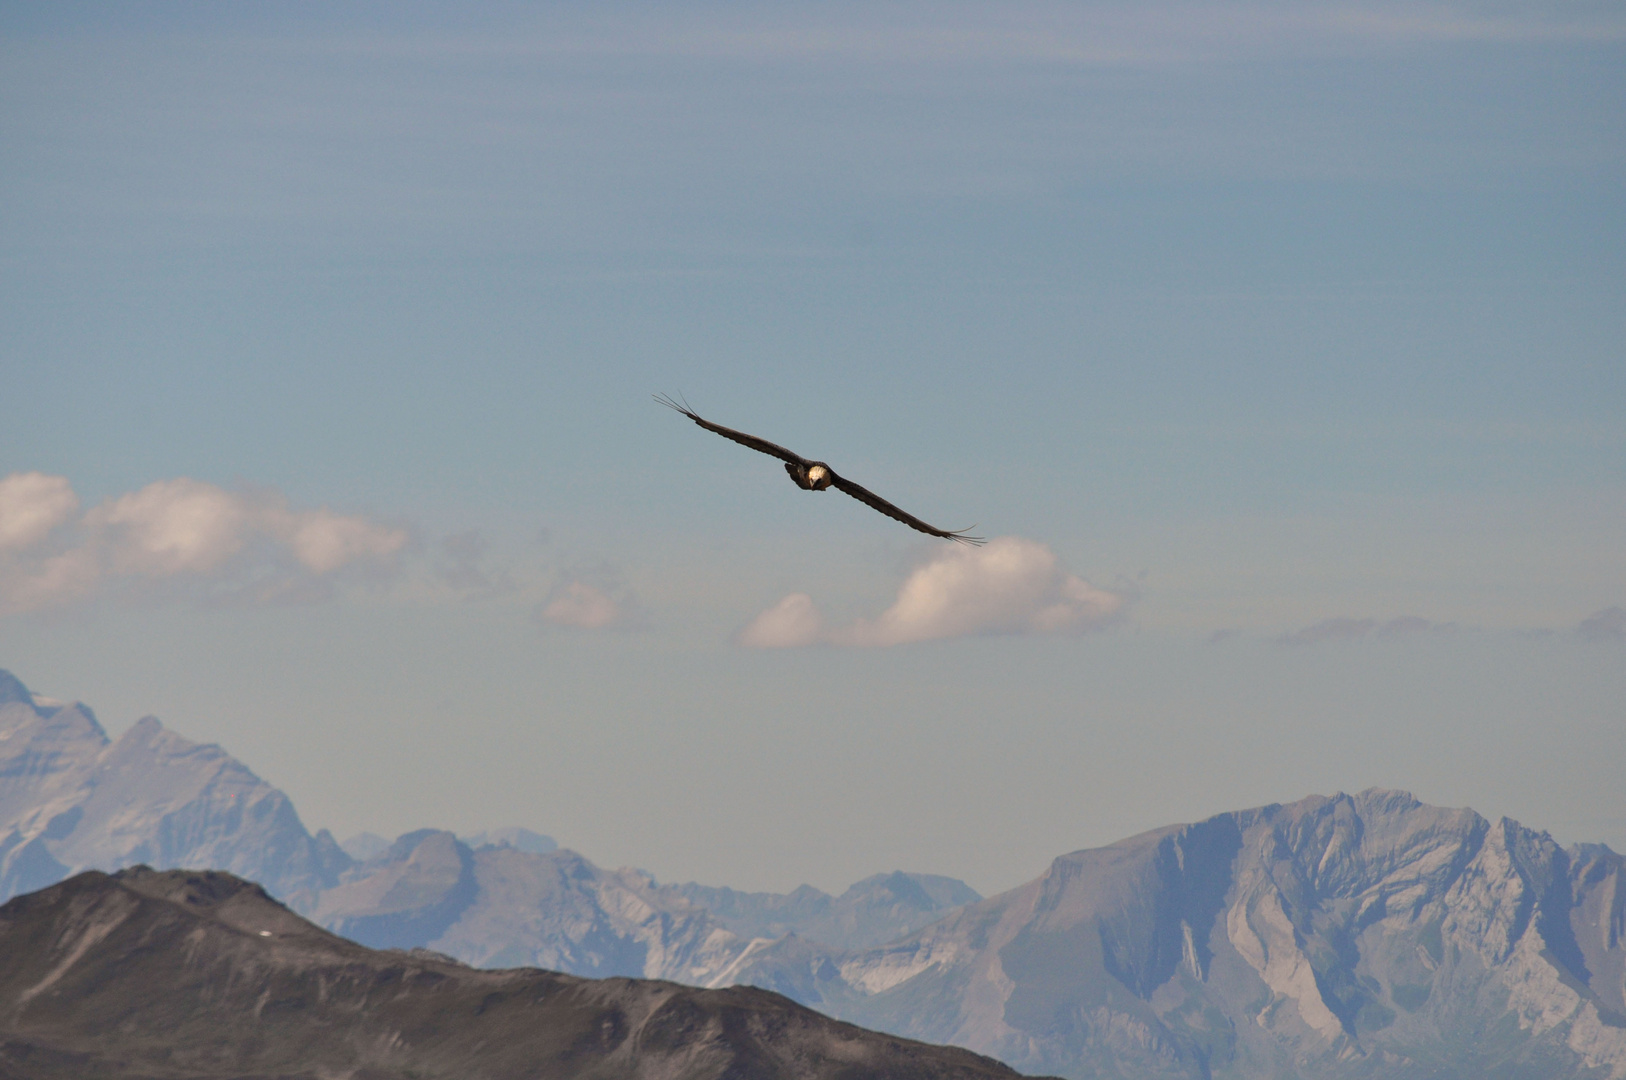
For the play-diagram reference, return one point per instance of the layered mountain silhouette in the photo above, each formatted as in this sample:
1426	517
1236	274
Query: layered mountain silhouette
185	974
1365	936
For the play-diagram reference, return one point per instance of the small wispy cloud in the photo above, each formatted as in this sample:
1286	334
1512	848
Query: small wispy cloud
1346	628
792	623
1606	625
1011	586
581	606
179	534
592	598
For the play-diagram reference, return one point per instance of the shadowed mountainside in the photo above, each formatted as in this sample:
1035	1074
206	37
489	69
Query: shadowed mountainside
186	974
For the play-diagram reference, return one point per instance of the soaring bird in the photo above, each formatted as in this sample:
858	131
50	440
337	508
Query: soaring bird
816	476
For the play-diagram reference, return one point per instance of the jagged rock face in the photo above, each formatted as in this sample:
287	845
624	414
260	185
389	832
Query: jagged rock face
1364	936
193	975
72	799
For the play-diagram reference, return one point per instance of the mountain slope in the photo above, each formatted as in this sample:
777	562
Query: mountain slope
192	975
72	799
1364	936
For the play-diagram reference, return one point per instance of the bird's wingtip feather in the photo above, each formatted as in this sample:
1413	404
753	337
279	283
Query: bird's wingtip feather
666	400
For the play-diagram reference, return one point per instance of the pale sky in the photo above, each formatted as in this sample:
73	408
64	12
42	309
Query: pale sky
1279	348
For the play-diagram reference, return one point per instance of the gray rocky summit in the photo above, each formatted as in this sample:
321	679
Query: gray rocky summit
72	799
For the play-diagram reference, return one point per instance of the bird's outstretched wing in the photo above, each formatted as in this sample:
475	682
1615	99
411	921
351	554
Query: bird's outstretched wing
841	483
761	445
874	501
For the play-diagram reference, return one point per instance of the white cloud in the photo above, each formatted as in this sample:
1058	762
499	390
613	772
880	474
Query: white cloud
793	622
580	605
592	596
324	541
1011	586
172	527
32	506
182	531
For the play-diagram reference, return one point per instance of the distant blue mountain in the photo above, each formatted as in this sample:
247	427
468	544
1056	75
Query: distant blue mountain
72	799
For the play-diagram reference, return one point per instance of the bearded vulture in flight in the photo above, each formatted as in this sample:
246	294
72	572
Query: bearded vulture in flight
816	476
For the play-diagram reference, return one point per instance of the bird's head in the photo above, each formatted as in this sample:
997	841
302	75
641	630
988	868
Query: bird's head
818	474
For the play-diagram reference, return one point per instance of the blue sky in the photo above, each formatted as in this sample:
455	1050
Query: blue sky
1275	323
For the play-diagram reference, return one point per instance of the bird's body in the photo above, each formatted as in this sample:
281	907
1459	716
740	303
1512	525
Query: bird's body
817	476
814	476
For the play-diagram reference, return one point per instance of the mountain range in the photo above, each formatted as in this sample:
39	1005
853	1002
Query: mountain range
72	799
1359	936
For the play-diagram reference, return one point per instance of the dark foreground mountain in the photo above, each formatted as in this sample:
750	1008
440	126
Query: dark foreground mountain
181	974
1367	936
